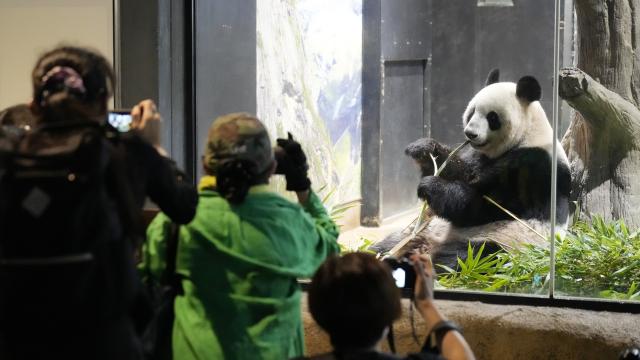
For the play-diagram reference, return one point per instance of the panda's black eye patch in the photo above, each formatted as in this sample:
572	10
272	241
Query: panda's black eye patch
494	120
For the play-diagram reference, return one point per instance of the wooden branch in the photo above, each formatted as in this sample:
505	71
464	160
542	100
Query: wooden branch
599	106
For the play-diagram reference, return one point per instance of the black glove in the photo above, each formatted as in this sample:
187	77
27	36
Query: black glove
292	163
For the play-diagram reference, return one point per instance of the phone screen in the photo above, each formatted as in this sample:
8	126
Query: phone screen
400	276
121	120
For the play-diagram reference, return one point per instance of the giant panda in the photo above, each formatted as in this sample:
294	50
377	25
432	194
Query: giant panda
508	158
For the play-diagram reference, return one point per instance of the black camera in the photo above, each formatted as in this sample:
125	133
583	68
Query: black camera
402	271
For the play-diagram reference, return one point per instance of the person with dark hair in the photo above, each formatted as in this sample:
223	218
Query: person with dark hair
354	298
74	84
71	194
240	258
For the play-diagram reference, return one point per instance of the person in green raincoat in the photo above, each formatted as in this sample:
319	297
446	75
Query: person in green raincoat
241	256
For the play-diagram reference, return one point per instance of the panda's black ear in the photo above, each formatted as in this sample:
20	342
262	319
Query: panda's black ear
529	89
493	77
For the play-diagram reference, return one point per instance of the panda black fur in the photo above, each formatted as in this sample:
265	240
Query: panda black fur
509	160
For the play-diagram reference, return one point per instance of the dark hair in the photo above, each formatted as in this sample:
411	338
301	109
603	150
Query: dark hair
234	178
56	98
353	298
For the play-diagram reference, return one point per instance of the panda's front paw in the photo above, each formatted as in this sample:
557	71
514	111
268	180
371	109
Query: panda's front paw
420	149
429	188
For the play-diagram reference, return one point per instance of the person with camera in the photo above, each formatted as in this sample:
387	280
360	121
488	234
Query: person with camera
71	195
238	261
74	84
354	298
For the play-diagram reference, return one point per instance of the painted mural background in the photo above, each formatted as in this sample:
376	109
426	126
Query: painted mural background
309	56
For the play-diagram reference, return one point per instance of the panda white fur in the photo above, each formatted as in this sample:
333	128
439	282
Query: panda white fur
509	160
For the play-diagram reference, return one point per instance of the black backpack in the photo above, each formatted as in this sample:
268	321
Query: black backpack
67	231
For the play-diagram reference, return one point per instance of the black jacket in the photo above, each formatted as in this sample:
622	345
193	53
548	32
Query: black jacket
153	175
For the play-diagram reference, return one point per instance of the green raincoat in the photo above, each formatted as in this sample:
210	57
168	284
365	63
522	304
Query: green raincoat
240	264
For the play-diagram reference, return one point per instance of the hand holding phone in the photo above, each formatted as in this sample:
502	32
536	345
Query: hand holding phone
147	121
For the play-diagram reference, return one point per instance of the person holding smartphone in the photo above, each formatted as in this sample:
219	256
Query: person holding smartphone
74	84
153	174
78	212
354	298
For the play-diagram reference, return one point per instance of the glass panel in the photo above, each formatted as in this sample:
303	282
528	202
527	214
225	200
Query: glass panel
599	255
502	171
309	60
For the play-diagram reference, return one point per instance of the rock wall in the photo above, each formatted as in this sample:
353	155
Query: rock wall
515	332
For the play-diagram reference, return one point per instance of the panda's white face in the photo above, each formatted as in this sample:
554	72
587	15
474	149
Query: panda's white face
495	119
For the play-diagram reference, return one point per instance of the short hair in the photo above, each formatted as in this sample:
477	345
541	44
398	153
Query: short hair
354	298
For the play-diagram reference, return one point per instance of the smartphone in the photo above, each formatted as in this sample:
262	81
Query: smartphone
120	120
402	271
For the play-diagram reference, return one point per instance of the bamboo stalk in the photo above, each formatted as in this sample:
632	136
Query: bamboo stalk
514	216
446	161
406	239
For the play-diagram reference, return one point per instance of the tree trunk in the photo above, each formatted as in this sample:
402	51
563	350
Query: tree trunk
603	139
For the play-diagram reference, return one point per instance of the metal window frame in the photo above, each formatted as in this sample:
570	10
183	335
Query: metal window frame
372	66
174	67
371	77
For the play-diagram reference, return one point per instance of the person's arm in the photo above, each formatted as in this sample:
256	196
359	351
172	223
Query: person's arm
154	250
170	189
327	228
303	196
146	121
167	186
454	346
292	163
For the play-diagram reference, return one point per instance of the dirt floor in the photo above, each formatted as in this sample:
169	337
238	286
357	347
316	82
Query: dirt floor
352	235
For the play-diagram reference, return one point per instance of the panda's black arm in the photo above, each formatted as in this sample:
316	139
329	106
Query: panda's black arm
457	202
457	169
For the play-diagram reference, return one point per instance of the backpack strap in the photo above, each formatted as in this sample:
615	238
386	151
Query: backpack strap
169	275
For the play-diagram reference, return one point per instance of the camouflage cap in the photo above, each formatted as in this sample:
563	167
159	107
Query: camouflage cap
238	136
